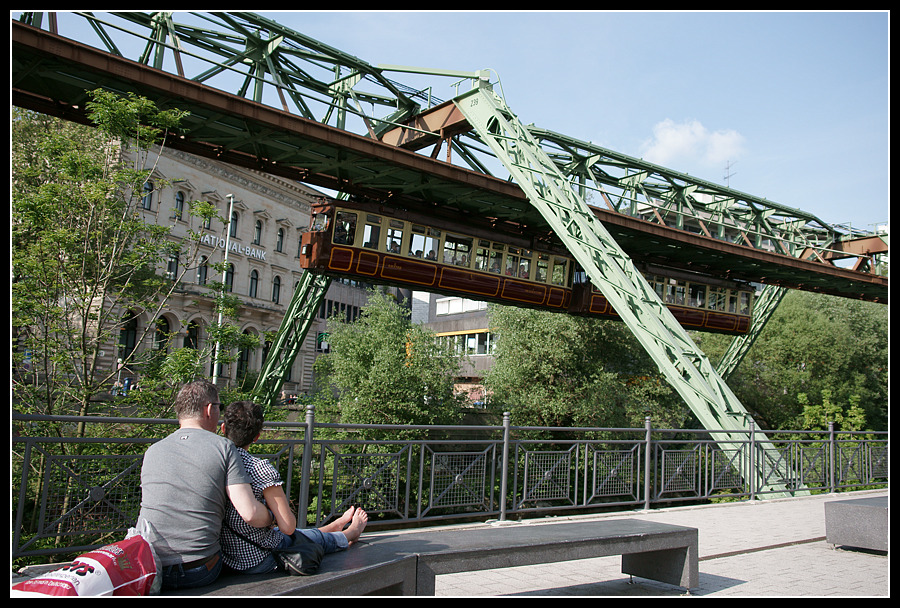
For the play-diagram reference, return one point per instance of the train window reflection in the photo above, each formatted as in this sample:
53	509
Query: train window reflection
394	237
345	228
319	222
457	250
422	243
559	275
717	298
541	268
372	232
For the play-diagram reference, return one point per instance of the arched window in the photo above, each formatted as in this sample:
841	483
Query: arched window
128	336
276	289
229	278
254	283
243	363
203	271
234	224
192	338
147	199
162	335
179	205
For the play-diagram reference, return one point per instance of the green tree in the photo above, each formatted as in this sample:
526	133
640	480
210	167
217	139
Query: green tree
812	344
554	369
383	369
85	257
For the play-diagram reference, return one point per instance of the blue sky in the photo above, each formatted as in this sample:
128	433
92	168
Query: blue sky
795	104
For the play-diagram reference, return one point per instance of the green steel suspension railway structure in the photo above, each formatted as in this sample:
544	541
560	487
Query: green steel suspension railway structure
269	98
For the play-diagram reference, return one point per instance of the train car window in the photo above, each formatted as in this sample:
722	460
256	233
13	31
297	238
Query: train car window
558	276
483	256
372	232
733	302
344	228
525	264
512	262
423	244
676	292
659	286
718	297
745	302
697	295
457	250
541	268
394	237
319	222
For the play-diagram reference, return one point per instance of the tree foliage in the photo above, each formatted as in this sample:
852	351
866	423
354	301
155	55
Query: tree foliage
86	258
814	348
384	369
554	369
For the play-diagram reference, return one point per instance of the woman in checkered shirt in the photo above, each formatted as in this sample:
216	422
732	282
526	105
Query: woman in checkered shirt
248	550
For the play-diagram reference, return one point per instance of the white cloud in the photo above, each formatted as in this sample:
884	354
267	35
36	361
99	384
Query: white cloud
687	144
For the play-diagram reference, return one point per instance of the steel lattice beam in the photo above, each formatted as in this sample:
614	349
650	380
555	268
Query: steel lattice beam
610	269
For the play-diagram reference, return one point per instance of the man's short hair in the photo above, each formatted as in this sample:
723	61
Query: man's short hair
193	397
243	422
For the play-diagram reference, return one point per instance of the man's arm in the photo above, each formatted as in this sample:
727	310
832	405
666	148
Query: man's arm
251	510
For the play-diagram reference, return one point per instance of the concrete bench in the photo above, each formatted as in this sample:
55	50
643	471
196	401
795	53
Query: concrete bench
406	563
858	522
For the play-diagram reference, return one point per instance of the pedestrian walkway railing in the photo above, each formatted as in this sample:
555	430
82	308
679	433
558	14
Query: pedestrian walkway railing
71	494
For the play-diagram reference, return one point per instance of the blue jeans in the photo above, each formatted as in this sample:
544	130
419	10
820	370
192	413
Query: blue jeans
176	577
330	541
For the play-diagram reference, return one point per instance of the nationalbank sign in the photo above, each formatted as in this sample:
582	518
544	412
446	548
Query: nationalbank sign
250	252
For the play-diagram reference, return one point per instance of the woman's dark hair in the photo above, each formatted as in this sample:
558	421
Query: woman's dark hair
243	422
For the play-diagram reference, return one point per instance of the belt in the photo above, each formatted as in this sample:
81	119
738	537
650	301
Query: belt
209	562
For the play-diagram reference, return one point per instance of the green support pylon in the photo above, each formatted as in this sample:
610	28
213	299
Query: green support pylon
294	326
685	366
763	307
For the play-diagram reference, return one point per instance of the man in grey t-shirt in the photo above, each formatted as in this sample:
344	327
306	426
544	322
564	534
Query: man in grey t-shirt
186	480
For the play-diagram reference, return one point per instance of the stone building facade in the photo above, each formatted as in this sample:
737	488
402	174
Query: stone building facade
268	215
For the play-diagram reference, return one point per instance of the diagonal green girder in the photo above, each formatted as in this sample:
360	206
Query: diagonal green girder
610	269
763	307
294	326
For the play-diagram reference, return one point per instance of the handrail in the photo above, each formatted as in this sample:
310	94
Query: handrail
72	499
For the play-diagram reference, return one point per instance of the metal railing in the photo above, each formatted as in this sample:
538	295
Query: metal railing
74	494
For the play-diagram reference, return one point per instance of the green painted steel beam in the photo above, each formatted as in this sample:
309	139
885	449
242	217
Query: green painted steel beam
610	269
298	318
763	307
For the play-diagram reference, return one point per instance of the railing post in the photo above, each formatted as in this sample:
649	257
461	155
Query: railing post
505	467
306	465
647	459
831	454
751	473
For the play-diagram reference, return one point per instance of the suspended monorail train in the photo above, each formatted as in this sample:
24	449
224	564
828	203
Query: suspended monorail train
380	244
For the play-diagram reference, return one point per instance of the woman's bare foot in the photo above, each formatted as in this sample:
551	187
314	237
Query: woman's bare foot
340	523
357	525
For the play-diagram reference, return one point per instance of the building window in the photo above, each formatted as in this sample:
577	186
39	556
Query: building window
172	267
279	243
162	334
234	224
179	205
229	278
276	289
254	283
147	199
128	337
202	271
257	233
192	338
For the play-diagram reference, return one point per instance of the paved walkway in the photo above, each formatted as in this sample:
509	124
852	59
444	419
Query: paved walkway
749	549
